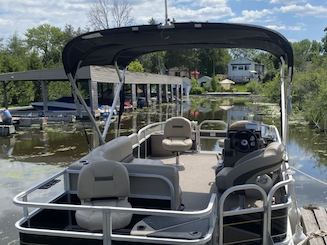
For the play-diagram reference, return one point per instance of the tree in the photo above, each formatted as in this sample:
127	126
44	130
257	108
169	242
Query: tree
104	12
213	61
324	41
237	53
186	58
48	41
305	52
69	32
135	66
152	21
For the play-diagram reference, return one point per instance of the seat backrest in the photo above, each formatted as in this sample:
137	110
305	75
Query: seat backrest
107	179
155	186
118	149
178	127
256	163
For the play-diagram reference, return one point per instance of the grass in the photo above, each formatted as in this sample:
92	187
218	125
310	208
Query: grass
239	88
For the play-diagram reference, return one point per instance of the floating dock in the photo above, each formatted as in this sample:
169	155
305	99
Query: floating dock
314	222
6	130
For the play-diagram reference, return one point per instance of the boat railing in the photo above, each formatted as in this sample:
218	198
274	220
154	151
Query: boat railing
107	234
199	132
266	207
205	133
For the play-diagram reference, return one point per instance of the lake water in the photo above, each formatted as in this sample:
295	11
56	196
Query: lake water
32	154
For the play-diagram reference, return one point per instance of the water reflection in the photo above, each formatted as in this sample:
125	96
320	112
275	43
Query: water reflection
60	144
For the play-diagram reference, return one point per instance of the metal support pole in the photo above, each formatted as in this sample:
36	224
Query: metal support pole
166	93
177	92
283	103
78	105
166	13
181	102
93	91
114	103
44	89
160	93
171	93
106	229
148	93
134	95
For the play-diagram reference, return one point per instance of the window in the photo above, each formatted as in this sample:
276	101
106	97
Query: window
234	67
246	67
240	67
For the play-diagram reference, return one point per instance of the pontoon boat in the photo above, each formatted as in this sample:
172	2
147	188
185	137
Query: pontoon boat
158	186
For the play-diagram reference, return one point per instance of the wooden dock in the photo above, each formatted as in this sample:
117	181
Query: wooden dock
314	221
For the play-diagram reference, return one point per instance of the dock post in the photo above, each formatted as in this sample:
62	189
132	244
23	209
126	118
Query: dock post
134	95
148	93
44	89
160	94
171	99
94	104
166	93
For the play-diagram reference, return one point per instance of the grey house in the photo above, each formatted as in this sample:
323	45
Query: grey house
243	70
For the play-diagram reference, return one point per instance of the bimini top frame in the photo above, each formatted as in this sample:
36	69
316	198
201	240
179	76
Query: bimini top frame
119	46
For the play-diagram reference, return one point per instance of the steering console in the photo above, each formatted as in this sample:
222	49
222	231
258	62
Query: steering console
245	141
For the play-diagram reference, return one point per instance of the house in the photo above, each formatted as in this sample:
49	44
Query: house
178	72
242	70
205	81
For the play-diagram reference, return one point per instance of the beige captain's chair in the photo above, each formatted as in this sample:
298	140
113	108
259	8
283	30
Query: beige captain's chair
249	167
103	184
177	136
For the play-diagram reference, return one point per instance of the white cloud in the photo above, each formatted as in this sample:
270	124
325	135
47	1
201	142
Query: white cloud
249	16
307	9
19	15
286	28
288	2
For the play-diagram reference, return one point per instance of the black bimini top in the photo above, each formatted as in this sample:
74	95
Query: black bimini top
124	44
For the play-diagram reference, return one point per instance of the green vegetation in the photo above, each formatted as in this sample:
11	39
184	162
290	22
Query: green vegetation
254	87
135	66
40	48
196	88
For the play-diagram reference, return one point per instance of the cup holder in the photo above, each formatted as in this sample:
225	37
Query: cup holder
84	162
194	233
141	227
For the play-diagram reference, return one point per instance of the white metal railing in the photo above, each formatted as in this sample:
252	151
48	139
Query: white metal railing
145	133
266	208
107	236
212	132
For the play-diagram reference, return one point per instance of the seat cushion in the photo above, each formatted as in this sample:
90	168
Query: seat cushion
146	161
93	220
176	144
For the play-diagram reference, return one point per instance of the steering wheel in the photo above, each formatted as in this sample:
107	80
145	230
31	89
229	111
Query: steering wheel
245	141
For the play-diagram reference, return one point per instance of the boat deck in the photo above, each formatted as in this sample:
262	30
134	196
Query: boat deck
197	178
314	220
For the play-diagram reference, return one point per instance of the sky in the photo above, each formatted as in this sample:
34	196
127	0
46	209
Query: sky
296	19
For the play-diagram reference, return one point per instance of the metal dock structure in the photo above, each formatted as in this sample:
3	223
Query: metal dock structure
168	88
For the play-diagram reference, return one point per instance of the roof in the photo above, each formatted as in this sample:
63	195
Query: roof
94	73
227	81
242	60
204	79
122	45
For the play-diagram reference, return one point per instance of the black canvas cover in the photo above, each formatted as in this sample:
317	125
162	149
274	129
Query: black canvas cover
124	44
